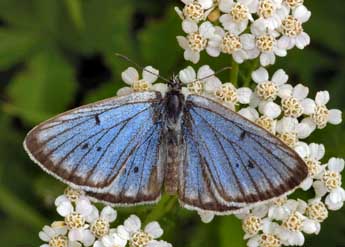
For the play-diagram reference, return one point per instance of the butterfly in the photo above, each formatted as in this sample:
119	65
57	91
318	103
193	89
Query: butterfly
127	150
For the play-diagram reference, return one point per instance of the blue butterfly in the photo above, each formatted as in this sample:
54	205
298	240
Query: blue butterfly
124	150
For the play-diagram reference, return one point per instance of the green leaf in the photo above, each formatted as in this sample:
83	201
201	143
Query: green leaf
15	46
230	232
158	43
75	11
44	88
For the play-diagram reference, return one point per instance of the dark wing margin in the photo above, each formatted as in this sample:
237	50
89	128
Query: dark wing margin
239	163
88	147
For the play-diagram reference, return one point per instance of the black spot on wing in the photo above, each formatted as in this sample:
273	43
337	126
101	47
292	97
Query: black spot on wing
85	146
98	121
250	165
243	135
136	169
99	149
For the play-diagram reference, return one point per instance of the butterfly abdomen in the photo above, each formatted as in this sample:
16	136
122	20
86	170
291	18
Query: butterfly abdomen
174	158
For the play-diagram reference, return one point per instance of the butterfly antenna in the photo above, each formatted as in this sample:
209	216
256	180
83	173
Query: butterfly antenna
215	73
139	66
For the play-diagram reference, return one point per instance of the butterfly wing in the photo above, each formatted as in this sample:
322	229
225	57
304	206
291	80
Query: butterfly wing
141	180
93	145
239	162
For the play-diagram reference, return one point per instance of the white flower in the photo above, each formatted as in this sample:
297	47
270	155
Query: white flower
230	96
232	44
146	237
331	182
292	30
194	10
199	82
271	14
131	77
267	90
311	154
100	223
238	15
295	102
266	46
268	237
76	219
321	114
196	40
55	236
116	238
290	130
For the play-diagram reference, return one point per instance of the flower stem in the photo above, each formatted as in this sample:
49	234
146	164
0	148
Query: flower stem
248	78
234	73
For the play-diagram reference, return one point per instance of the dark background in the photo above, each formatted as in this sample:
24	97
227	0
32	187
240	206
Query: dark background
58	54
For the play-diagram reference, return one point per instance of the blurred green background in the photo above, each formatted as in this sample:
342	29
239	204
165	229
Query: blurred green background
58	54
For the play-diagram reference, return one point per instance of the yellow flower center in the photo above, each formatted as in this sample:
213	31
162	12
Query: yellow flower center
269	240
313	166
140	86
294	222
289	138
294	3
75	220
266	123
196	87
58	241
332	180
140	239
320	116
100	228
265	43
230	43
252	224
266	8
267	90
291	27
292	107
194	11
196	42
227	93
72	194
239	12
280	201
317	211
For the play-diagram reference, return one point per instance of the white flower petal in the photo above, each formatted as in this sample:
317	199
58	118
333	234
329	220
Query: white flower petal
109	214
244	95
308	106
189	26
336	165
130	75
187	75
124	91
204	71
270	109
154	229
280	77
84	207
335	116
65	208
322	98
133	223
150	74
260	75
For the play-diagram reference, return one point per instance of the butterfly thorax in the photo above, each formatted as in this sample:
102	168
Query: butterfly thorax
173	102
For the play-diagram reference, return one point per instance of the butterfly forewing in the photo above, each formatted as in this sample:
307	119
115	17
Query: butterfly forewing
92	145
240	162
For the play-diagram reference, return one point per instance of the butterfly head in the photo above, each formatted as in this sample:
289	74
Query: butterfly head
175	84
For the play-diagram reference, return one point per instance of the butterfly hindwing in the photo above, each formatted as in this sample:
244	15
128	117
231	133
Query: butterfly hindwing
141	179
90	146
242	163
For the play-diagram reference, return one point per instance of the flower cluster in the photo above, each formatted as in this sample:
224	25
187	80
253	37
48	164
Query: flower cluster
248	28
84	225
288	112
